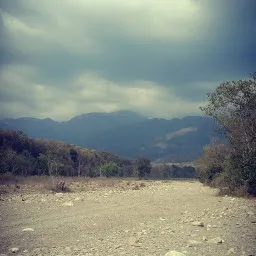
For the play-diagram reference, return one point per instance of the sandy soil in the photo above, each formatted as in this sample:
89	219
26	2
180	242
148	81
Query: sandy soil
150	219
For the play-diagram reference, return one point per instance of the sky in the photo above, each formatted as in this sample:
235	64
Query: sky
62	58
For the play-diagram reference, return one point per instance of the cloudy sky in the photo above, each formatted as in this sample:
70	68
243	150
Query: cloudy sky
61	58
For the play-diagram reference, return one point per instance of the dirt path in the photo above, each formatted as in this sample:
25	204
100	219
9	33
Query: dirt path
153	220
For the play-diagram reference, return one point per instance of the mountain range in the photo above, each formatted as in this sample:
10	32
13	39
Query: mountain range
125	133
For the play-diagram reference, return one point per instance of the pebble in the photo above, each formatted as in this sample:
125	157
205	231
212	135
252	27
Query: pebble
14	250
216	240
231	251
191	243
198	223
28	230
174	253
68	204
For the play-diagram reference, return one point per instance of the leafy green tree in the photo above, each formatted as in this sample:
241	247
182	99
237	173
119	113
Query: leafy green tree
143	166
109	169
233	107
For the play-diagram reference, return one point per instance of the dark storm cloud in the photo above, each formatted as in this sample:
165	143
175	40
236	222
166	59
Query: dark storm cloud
181	50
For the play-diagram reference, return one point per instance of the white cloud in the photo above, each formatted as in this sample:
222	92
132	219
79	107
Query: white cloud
86	93
79	56
81	26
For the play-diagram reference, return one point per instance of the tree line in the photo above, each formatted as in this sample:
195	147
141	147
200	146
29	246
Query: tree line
21	155
24	156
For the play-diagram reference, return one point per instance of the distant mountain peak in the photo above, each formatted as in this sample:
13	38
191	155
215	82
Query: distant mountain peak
120	113
125	133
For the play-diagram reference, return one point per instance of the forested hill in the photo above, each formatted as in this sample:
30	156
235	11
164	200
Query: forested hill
20	155
25	156
125	133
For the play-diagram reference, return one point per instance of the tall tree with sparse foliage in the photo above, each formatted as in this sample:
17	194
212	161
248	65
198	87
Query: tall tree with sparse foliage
143	166
233	106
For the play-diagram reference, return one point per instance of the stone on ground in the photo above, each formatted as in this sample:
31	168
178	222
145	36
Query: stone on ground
68	204
198	223
174	253
28	230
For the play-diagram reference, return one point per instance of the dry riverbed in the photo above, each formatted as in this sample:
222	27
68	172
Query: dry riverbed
127	218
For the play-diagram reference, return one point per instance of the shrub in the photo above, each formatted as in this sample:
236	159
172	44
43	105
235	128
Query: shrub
109	169
213	162
57	186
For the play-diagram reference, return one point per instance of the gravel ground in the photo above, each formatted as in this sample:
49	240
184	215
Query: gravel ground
152	218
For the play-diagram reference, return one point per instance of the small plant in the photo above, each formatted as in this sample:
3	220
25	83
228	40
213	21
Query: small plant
136	187
58	186
142	185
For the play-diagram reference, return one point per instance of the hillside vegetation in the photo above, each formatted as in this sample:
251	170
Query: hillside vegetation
20	155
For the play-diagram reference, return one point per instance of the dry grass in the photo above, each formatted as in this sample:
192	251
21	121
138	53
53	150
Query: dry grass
45	184
238	192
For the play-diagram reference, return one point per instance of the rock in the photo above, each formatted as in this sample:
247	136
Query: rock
68	249
231	251
198	223
59	194
250	213
14	250
77	198
28	230
216	240
193	242
134	241
174	253
68	204
205	238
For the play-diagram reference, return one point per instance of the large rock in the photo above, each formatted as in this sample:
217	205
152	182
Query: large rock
174	253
